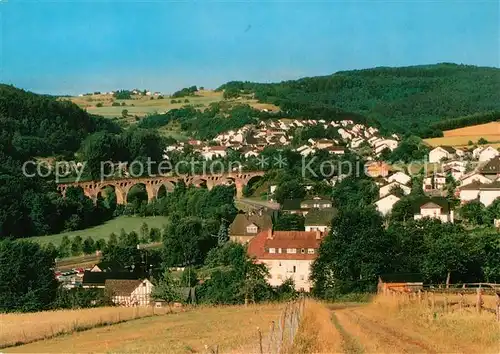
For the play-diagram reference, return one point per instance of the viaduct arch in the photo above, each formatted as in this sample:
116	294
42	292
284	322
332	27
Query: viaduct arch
153	184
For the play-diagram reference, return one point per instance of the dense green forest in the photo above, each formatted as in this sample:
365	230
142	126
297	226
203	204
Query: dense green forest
39	125
400	99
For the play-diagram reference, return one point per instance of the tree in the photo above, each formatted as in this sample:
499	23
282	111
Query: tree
98	104
144	232
473	212
289	222
89	245
125	113
113	239
482	141
355	252
76	246
27	281
167	288
96	149
154	234
223	234
186	242
290	189
100	244
65	247
397	191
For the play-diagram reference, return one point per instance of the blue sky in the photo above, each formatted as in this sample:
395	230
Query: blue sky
71	47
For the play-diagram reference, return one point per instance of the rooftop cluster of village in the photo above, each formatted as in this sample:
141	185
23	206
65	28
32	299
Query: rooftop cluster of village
251	140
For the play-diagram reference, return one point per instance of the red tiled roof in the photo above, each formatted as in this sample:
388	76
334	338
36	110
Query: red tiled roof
258	246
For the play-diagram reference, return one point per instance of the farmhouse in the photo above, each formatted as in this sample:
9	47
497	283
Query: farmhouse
129	292
287	254
247	226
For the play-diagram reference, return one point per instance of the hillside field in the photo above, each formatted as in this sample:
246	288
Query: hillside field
128	223
144	105
460	137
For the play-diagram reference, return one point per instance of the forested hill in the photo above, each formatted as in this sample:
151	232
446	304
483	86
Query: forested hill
41	125
400	99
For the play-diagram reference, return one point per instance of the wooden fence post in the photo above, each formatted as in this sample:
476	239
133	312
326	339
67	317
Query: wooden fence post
433	302
479	300
260	341
498	306
461	301
271	338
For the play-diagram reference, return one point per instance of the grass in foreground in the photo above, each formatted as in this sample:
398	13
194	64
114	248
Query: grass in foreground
128	223
30	327
232	328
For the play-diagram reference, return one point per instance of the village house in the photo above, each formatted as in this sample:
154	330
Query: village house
385	204
387	189
336	150
441	153
399	177
485	153
246	226
434	208
377	169
299	206
473	177
434	181
129	292
324	143
491	169
287	255
319	219
212	152
486	193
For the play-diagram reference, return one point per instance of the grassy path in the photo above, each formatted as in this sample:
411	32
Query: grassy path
349	343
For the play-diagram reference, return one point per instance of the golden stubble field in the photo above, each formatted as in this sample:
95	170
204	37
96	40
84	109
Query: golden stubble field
231	328
460	137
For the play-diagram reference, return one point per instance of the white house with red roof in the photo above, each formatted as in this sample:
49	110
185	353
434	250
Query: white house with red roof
287	254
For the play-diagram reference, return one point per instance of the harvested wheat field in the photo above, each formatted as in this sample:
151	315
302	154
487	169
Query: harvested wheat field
29	327
492	128
232	328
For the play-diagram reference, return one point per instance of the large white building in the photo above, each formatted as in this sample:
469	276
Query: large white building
287	254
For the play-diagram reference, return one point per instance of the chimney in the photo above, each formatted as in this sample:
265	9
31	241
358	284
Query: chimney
270	234
318	235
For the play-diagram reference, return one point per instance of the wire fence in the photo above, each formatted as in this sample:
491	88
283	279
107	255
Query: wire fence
283	331
474	297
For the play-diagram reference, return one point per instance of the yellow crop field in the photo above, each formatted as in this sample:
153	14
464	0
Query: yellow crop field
461	140
492	128
230	328
30	327
462	136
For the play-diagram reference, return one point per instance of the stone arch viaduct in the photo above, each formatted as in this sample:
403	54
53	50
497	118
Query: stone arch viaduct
153	184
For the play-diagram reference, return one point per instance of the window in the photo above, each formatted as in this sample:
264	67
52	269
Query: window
272	250
310	251
252	229
302	277
294	269
302	251
291	250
